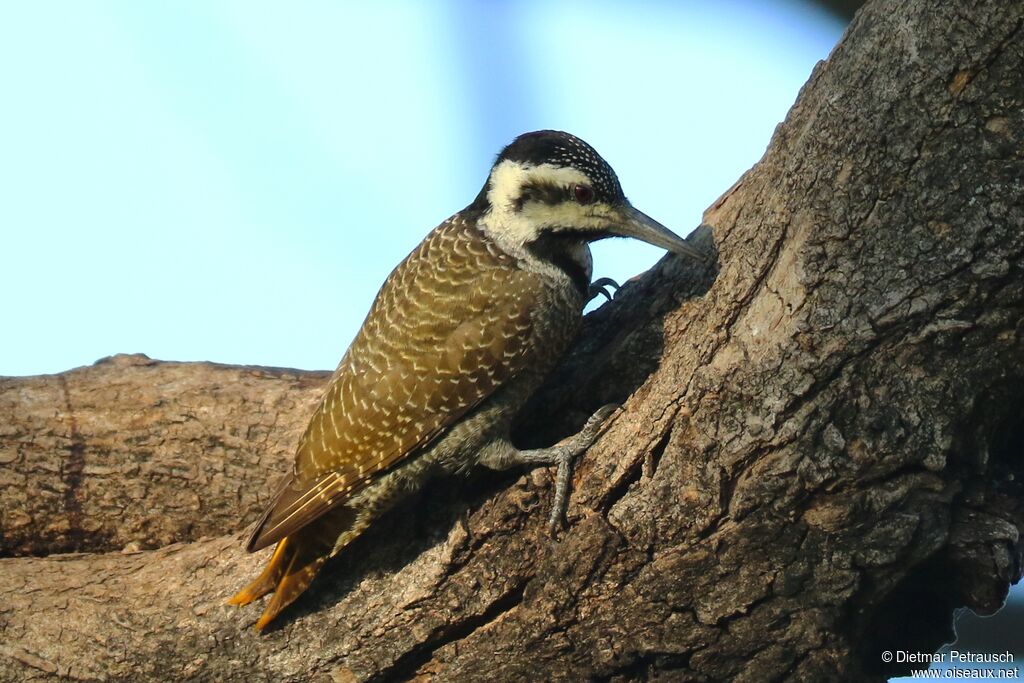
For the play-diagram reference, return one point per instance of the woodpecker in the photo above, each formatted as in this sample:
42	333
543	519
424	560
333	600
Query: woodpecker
458	337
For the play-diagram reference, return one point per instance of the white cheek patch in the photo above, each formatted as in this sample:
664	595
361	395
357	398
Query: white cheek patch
565	215
504	184
513	229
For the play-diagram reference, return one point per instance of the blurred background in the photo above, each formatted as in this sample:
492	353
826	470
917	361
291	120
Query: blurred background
231	181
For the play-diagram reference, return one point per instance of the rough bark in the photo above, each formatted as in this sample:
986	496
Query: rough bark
133	453
818	455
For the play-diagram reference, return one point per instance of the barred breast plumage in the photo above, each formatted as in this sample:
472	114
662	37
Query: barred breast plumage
458	337
439	339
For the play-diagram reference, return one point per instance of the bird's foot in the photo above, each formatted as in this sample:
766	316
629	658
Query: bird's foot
597	287
500	454
565	454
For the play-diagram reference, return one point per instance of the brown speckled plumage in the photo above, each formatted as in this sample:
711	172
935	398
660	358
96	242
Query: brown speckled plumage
456	320
459	336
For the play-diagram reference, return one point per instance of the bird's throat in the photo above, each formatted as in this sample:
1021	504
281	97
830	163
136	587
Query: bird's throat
568	253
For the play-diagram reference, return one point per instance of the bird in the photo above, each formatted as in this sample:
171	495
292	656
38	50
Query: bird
459	336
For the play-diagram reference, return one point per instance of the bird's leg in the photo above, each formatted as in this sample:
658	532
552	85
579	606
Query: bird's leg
598	287
501	454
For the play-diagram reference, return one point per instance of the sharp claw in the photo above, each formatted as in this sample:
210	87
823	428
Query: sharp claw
553	525
598	287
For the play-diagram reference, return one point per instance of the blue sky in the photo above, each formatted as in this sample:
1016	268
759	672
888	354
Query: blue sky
232	181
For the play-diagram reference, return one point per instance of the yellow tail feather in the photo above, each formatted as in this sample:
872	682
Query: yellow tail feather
300	572
296	560
267	580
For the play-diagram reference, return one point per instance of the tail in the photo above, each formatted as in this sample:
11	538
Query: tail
290	571
271	575
295	562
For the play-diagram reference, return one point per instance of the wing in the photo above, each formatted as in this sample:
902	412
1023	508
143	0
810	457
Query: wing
450	325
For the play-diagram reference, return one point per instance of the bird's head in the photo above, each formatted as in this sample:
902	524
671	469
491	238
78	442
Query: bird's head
552	185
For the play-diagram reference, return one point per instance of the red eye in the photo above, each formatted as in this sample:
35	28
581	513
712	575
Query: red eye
584	193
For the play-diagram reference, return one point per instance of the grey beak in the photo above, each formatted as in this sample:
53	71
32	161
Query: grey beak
637	224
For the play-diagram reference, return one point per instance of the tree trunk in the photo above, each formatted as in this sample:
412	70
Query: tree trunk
818	455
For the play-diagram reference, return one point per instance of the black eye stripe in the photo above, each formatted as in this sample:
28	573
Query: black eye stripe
545	193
